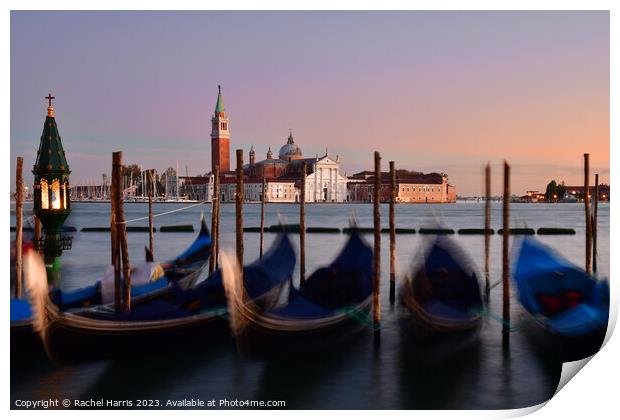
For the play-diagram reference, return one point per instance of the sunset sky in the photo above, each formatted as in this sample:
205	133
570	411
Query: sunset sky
434	91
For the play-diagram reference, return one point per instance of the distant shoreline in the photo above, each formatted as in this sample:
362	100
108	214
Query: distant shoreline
12	202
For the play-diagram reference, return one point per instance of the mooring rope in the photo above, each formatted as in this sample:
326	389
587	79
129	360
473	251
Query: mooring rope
361	316
364	318
494	285
512	326
164	213
30	219
220	311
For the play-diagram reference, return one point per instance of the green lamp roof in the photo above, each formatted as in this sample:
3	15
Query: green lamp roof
51	156
219	105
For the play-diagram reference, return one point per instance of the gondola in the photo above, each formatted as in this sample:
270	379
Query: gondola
152	279
443	293
183	271
331	304
185	318
569	308
443	302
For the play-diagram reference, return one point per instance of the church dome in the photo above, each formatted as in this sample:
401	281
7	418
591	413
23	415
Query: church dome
290	151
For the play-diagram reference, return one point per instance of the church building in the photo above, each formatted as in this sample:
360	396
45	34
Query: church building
324	183
283	174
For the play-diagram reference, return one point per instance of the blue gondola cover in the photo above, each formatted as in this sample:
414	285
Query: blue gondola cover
564	297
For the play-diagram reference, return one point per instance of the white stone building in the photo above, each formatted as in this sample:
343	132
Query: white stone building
276	191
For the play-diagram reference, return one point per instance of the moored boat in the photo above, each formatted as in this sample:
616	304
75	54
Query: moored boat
168	323
331	304
149	282
569	308
443	301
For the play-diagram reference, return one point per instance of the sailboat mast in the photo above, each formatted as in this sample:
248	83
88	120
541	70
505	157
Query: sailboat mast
187	177
142	181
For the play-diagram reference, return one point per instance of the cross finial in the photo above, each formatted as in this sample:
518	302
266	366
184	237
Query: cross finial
219	89
50	108
49	98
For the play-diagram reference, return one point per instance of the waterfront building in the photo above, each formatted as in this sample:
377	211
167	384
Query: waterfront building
324	182
577	191
572	194
411	187
268	168
532	197
277	191
198	188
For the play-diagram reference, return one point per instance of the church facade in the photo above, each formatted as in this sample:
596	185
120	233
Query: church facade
284	176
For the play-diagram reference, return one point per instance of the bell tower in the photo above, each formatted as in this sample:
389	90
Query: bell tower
252	156
220	136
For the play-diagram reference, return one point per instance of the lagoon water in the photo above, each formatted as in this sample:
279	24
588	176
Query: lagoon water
356	374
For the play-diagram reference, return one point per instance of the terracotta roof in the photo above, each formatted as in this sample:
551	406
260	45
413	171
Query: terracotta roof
272	161
195	180
250	180
402	177
294	168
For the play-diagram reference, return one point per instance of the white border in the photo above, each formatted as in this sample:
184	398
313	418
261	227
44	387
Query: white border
591	395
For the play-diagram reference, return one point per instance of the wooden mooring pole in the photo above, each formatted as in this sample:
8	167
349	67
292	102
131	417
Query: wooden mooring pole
151	235
595	223
262	218
215	238
487	230
392	233
114	242
376	302
506	258
586	200
302	227
239	211
19	199
121	231
116	262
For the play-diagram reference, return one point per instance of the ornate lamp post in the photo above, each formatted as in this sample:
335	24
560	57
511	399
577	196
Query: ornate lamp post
51	191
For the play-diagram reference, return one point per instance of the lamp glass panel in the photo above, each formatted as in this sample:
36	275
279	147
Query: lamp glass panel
44	194
56	194
64	195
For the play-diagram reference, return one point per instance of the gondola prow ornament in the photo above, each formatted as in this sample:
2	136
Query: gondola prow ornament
52	202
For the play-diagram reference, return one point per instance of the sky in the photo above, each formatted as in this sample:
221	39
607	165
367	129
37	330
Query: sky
433	91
